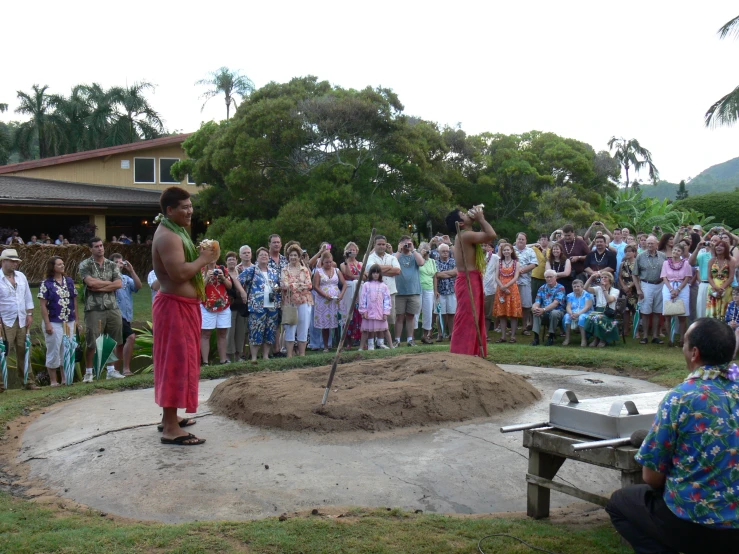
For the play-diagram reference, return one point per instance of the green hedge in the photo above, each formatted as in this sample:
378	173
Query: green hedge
724	206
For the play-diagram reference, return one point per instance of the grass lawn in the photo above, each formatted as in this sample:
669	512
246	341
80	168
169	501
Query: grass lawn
26	526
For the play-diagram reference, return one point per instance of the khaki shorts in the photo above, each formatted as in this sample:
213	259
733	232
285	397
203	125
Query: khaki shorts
391	317
407	304
489	303
105	322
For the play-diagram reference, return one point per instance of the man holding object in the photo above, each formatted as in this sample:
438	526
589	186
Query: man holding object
471	265
176	315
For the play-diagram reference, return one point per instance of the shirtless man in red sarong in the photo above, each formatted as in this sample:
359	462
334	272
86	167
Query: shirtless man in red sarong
472	263
176	315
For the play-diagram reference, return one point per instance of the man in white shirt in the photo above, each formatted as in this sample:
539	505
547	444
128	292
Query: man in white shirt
390	267
526	262
14	238
489	286
16	311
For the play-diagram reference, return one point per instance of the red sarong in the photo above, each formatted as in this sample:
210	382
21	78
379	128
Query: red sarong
176	323
464	336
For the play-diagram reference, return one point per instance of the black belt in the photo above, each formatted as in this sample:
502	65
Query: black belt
653	282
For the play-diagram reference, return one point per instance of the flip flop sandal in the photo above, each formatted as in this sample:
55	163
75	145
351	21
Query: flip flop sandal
500	340
180	441
644	341
186	422
657	341
512	341
526	333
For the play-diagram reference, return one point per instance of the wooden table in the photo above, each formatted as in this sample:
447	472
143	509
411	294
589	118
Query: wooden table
548	450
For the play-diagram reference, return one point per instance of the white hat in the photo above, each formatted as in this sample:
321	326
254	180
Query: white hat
10	254
697	228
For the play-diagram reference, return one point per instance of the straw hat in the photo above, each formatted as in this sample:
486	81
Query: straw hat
9	254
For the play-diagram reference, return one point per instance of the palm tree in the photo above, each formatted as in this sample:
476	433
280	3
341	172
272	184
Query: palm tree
726	110
69	118
3	107
133	118
227	82
38	105
629	153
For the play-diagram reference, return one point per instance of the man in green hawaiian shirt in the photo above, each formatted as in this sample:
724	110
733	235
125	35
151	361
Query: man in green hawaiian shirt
690	502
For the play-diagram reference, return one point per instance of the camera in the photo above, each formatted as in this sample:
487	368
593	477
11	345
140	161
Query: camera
597	280
272	296
216	272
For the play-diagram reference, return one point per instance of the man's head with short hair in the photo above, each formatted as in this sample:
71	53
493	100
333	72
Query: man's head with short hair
96	247
568	233
116	256
521	240
600	243
652	243
455	216
176	205
380	245
275	244
550	273
709	341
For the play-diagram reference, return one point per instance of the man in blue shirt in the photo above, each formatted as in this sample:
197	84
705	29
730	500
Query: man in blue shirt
124	297
690	502
408	283
549	307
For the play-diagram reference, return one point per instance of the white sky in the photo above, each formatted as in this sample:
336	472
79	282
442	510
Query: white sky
582	69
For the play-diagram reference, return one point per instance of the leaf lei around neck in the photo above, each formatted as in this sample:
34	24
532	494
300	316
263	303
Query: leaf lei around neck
191	253
709	372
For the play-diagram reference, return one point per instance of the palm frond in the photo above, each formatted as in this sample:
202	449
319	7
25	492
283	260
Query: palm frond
725	111
729	28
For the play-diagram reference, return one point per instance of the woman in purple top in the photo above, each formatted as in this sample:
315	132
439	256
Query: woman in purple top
58	299
676	275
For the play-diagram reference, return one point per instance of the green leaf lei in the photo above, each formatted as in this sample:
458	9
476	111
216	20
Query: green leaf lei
191	253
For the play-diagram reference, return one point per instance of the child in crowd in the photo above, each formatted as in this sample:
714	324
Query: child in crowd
579	305
732	315
375	306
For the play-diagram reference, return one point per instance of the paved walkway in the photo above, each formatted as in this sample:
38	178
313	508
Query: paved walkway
85	451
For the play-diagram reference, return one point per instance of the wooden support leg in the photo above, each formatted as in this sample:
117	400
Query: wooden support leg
629	478
537	497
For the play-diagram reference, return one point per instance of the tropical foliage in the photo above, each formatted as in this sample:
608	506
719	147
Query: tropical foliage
226	82
310	160
726	109
90	117
723	206
641	213
630	154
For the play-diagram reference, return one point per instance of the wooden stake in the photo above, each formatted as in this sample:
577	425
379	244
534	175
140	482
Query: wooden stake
349	316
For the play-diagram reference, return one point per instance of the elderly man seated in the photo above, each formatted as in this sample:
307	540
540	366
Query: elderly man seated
690	502
549	306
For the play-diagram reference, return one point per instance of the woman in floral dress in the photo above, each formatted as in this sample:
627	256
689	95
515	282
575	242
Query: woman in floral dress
58	299
262	285
720	277
326	281
627	286
350	269
507	304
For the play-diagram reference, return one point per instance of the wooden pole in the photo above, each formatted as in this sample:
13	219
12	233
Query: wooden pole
469	289
349	317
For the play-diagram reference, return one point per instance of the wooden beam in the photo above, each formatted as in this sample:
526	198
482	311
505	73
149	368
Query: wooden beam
567	489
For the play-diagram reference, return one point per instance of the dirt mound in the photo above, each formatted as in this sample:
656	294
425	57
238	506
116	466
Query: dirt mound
374	395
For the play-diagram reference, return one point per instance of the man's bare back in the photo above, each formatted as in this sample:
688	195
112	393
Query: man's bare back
467	239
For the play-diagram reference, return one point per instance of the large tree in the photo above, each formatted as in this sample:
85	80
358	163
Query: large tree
630	154
38	105
226	82
133	117
725	111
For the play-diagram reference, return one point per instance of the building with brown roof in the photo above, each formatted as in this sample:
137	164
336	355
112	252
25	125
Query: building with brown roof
116	188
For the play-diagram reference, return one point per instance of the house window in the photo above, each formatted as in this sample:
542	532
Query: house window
143	170
165	165
190	180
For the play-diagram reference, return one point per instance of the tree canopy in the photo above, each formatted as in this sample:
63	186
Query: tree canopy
314	161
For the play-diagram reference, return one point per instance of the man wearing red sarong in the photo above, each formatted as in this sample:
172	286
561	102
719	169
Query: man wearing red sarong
471	264
176	315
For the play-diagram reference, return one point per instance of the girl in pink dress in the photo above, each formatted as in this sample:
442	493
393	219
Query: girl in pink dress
375	306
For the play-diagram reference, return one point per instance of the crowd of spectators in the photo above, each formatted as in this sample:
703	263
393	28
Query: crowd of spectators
14	238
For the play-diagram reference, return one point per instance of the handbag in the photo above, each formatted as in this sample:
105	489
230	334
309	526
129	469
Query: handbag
674	307
289	314
609	312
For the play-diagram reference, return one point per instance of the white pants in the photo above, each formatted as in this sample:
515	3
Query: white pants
304	319
54	345
427	308
700	302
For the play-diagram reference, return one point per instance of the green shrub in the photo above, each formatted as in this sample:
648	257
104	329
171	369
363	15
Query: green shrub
724	206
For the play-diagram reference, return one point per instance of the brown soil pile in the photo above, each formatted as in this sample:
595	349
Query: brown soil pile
374	395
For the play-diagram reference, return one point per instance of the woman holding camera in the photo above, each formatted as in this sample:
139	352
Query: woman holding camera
600	322
262	285
326	281
215	311
720	277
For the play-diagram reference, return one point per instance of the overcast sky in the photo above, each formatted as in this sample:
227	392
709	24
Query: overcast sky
581	69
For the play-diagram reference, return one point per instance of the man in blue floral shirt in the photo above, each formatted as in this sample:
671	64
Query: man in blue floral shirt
690	502
549	307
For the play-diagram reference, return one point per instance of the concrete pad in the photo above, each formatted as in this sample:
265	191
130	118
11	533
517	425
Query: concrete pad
104	451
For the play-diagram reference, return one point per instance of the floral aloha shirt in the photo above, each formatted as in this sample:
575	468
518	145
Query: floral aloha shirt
695	442
546	295
446	286
59	299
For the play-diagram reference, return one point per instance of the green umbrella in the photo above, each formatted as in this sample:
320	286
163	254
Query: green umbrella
4	361
69	342
104	348
635	323
27	360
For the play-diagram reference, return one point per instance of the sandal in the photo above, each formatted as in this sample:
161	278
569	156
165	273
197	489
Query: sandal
184	422
181	441
500	340
526	333
644	341
657	341
512	341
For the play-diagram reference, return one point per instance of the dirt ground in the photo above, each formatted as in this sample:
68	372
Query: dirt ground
374	395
